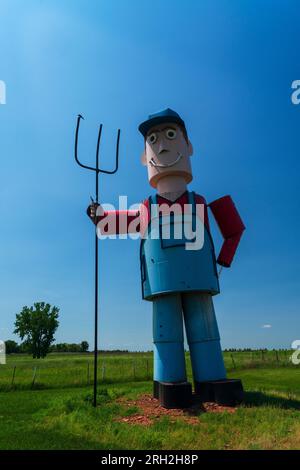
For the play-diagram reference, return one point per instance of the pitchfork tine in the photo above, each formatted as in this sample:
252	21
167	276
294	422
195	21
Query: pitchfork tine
111	172
97	169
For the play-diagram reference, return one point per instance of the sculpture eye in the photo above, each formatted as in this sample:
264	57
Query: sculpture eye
152	138
171	134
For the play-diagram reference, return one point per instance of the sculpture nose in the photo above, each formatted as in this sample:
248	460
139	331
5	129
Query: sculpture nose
162	148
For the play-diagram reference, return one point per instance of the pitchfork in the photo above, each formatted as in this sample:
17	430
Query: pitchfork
97	170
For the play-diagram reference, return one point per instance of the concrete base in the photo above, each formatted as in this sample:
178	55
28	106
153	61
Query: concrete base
227	392
173	395
155	389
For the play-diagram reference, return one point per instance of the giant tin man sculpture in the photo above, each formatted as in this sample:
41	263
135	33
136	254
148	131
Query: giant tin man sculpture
178	278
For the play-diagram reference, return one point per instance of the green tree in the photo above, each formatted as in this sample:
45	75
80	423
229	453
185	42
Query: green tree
37	325
24	348
11	346
84	346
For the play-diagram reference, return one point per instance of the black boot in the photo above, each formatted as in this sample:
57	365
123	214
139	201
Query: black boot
155	389
175	395
227	392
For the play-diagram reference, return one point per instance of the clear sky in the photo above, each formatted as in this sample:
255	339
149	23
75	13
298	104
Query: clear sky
227	68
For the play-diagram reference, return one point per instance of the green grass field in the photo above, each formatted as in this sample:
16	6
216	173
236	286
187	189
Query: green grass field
65	370
55	411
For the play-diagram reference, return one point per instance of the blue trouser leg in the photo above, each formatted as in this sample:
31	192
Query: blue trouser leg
203	337
169	359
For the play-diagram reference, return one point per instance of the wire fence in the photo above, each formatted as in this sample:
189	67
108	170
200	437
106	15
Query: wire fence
68	371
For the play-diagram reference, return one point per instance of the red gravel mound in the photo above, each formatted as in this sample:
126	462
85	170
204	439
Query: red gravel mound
150	410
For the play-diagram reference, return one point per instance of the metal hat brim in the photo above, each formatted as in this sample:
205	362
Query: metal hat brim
145	126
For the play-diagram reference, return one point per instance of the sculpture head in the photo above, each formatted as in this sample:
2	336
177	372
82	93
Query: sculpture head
167	149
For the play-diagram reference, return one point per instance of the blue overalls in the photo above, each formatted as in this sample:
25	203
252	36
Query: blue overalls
179	281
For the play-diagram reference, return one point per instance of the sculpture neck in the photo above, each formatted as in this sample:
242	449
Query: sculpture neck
171	187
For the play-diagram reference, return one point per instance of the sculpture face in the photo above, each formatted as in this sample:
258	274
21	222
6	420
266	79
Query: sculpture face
167	153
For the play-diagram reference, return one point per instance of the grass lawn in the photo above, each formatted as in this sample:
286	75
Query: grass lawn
63	418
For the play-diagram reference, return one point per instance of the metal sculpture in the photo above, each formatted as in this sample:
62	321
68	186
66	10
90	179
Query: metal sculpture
179	273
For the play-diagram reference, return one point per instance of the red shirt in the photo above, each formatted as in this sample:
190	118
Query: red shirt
223	209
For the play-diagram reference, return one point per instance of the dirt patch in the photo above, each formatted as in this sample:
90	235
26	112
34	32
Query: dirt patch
215	408
150	410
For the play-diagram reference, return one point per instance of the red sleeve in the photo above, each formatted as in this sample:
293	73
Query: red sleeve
122	220
231	226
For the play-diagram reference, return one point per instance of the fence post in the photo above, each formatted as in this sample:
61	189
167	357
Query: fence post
13	376
34	376
277	357
103	372
233	362
88	373
133	369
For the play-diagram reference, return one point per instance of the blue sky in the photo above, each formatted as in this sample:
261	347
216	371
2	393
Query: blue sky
227	68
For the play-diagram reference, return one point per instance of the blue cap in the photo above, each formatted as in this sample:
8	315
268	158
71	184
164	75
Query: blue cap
166	115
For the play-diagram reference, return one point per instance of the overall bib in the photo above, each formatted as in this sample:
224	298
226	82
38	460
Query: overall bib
178	280
166	265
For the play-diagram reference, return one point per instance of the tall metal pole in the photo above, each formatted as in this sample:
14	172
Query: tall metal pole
96	277
96	318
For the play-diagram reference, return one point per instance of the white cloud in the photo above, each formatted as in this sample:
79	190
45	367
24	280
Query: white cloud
267	326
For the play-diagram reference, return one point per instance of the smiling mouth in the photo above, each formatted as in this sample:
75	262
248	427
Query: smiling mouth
165	165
